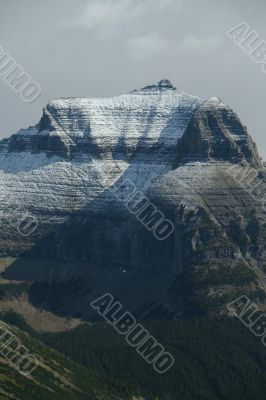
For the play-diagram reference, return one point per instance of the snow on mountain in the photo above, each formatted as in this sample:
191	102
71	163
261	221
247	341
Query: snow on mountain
175	148
81	147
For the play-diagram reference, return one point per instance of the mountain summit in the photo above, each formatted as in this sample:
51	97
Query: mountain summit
175	149
162	85
150	121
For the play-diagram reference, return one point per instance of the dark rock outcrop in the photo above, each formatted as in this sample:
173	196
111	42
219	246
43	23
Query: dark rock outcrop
215	132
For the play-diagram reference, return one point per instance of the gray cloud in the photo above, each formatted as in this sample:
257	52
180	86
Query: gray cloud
105	47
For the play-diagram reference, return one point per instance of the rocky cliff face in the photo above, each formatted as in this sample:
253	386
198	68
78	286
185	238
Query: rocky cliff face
73	170
216	132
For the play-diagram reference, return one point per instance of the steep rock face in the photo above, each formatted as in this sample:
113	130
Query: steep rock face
216	132
174	148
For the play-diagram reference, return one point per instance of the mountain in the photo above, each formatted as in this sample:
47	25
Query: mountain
146	195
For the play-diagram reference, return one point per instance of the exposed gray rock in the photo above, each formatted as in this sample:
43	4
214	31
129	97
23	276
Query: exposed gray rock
176	149
215	132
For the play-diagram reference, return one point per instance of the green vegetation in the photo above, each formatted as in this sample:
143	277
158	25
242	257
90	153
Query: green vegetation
215	359
237	276
57	377
197	284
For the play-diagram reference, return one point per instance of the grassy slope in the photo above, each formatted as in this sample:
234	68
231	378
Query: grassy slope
56	377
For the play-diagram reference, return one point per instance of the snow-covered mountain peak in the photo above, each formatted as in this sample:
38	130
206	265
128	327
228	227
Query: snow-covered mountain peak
155	115
68	165
142	126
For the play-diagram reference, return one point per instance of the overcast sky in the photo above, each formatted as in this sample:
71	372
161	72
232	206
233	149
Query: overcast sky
97	48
